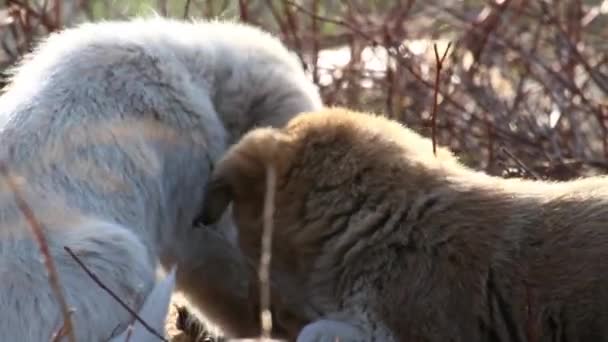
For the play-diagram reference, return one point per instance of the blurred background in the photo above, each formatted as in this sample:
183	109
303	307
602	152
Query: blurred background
523	90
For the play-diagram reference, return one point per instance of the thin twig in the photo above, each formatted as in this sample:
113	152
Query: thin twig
43	17
113	295
439	64
292	22
244	10
264	273
521	164
49	262
315	42
57	9
332	21
61	332
186	9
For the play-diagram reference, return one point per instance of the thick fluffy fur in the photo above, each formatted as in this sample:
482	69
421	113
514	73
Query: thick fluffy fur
111	129
384	241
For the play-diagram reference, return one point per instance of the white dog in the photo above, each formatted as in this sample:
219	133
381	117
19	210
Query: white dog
111	130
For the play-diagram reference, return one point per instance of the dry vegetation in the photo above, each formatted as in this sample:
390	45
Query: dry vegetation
523	89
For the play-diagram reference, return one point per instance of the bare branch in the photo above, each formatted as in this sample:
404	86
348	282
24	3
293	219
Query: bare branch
521	164
439	66
264	273
67	329
98	281
187	9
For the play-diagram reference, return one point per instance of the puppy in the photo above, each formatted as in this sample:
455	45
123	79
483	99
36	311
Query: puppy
378	239
111	130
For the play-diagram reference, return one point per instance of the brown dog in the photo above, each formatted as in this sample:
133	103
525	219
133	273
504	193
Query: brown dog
378	239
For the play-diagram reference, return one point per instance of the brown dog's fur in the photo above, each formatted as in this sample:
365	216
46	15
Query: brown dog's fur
373	230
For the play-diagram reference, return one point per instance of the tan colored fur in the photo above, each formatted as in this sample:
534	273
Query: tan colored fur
375	232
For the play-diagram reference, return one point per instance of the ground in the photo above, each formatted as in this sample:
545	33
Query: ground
192	333
197	330
172	332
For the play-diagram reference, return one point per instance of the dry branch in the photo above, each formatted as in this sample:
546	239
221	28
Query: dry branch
521	164
266	253
100	283
67	329
187	9
439	66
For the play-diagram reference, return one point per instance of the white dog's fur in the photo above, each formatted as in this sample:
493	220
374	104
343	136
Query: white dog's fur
111	130
153	312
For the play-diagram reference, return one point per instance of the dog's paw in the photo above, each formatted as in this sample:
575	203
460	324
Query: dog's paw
330	331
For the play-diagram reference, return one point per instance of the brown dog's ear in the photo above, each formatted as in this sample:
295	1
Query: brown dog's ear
241	172
218	196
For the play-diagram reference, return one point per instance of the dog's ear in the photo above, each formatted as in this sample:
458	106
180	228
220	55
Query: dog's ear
218	196
241	173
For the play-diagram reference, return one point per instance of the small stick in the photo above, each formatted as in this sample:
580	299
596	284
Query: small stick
520	163
113	295
68	328
439	64
186	9
61	332
264	273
